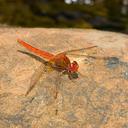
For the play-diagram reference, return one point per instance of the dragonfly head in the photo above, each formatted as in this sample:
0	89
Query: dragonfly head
73	67
72	70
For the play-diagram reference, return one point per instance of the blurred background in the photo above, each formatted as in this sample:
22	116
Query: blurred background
109	15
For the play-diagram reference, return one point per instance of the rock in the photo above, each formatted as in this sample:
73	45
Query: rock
97	99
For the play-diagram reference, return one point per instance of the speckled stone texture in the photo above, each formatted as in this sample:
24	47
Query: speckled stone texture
97	99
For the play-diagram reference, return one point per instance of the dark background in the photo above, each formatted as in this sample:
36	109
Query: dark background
109	15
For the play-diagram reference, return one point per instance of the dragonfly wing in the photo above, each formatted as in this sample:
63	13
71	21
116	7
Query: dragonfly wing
36	76
93	52
82	51
90	51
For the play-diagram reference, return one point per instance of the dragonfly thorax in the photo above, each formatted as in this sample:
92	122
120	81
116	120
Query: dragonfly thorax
73	67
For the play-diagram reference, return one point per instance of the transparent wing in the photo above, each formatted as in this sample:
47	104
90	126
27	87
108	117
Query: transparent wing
36	76
82	51
41	70
94	52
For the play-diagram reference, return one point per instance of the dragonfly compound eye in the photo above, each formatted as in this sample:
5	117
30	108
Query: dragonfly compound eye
73	67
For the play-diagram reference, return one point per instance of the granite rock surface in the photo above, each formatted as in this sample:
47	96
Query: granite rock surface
97	99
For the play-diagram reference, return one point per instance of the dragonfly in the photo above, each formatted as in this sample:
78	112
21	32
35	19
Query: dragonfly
60	62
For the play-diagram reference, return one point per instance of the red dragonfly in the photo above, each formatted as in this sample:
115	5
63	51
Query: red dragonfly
59	62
